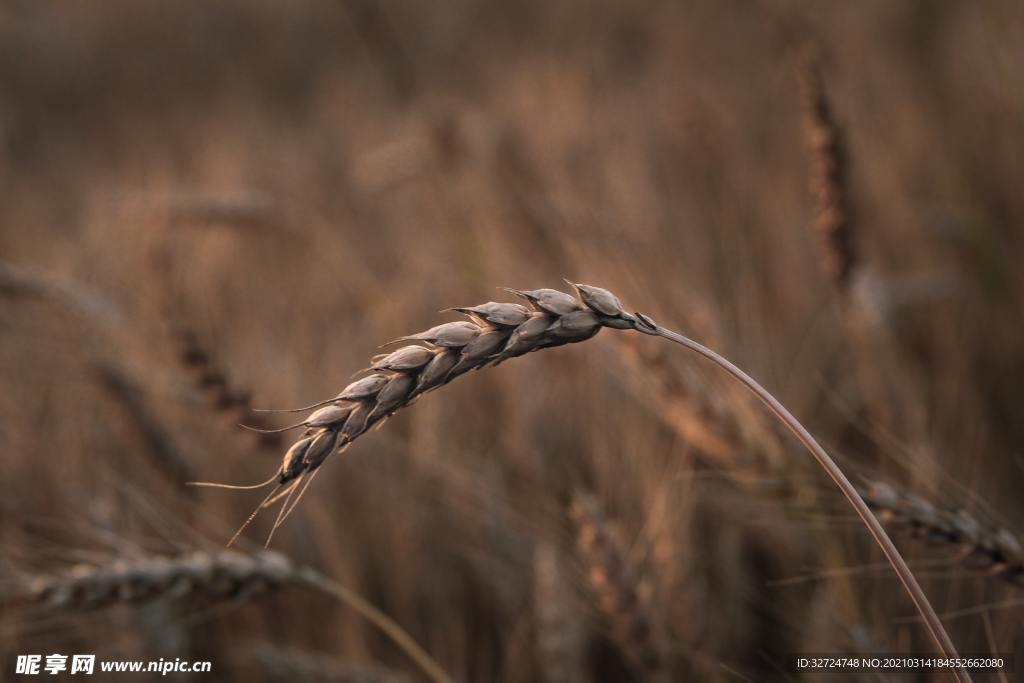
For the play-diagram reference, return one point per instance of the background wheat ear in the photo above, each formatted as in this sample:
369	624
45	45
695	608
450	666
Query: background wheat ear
829	181
995	551
224	575
213	576
613	585
561	631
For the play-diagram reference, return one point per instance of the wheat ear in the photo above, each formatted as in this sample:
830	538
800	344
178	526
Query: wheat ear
227	398
993	550
497	331
222	575
829	175
611	580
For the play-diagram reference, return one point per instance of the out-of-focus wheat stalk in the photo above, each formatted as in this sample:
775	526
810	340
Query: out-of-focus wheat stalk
242	209
216	576
83	299
561	632
160	443
996	551
613	585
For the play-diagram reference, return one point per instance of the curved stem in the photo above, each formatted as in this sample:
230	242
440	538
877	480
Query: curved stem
391	629
924	608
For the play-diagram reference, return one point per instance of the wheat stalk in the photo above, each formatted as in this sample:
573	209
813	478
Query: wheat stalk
496	332
611	580
560	631
132	400
996	551
215	576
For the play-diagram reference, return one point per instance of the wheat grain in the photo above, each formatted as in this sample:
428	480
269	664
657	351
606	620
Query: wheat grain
996	551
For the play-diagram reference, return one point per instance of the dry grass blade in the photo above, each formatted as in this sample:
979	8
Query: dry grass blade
219	576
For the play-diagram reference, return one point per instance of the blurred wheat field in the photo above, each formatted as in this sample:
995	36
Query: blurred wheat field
209	207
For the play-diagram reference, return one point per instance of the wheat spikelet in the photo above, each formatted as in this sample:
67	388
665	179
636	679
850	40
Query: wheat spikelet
829	183
996	551
614	587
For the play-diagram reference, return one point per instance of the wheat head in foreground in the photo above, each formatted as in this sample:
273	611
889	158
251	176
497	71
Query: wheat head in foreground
493	333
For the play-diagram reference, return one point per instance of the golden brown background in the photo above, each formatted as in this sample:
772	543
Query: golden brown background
205	199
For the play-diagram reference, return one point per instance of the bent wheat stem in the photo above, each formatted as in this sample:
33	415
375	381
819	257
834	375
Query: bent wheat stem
892	554
382	621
